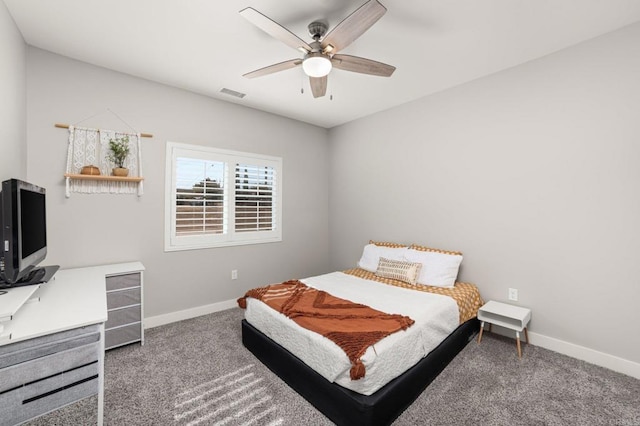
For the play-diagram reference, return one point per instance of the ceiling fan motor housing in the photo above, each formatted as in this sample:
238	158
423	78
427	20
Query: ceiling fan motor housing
317	29
315	47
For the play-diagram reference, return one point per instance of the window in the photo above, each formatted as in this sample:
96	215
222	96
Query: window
219	198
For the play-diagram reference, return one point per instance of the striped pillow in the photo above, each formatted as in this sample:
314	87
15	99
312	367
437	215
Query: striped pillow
407	272
434	250
387	244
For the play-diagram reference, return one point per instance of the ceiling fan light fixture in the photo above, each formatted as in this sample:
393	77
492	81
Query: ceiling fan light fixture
316	64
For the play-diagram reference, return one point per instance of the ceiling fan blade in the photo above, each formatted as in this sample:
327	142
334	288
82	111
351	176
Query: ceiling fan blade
353	26
362	65
274	29
318	86
274	68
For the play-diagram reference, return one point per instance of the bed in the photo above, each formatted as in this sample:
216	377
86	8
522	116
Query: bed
398	367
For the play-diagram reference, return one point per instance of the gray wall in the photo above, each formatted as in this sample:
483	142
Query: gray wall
533	173
103	228
13	114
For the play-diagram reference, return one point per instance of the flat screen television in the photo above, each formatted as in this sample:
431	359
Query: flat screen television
24	234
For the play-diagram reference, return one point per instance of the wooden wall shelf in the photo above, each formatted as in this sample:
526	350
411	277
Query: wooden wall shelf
105	177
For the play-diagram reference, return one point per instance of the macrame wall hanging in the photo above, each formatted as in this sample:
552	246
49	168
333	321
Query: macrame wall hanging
90	147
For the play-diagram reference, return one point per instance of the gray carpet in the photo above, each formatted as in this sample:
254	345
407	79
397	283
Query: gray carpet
198	372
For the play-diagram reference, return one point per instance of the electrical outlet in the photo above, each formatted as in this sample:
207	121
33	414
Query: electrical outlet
234	274
513	294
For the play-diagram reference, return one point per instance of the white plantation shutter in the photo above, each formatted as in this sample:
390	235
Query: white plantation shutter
200	197
217	197
254	197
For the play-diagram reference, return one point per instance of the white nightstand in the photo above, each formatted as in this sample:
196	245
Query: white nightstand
508	316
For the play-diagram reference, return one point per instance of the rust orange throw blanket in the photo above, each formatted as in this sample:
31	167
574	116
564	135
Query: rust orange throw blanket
352	326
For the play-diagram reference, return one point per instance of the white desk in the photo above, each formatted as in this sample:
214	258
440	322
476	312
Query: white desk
73	298
66	324
11	302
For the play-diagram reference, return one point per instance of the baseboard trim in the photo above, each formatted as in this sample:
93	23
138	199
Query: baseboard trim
163	319
591	356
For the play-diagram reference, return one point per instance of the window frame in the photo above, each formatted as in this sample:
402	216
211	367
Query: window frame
173	242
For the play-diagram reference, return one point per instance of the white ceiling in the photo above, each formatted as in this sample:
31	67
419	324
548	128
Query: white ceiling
204	46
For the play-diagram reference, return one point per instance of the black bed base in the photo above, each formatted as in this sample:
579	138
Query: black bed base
346	407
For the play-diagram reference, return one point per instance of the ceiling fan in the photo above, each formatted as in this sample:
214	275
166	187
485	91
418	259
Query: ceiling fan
320	56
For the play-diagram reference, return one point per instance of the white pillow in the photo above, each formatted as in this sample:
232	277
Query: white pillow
438	269
372	253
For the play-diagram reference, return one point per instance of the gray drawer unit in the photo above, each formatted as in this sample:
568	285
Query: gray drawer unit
123	316
42	374
27	350
124	305
120	298
122	335
119	282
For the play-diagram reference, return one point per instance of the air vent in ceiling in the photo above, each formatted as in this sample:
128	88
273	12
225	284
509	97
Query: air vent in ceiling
232	93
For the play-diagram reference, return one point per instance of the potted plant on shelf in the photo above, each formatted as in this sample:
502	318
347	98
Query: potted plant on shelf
119	149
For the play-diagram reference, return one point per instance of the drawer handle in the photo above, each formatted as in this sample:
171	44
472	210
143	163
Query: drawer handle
50	376
117	290
79	382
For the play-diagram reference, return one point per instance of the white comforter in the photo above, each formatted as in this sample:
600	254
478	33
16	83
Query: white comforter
435	316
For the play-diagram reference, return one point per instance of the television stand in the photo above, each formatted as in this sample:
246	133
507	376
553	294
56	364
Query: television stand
37	276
